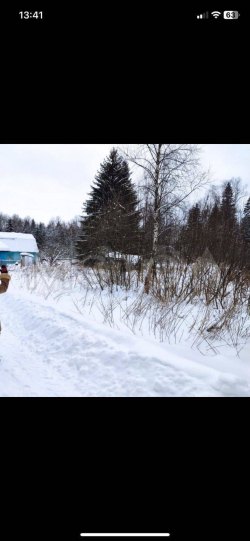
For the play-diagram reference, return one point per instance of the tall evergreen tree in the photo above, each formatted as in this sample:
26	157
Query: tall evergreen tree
228	208
26	225
192	234
111	218
245	234
10	226
40	235
214	231
246	222
229	225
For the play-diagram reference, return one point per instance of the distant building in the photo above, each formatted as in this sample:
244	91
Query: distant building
18	247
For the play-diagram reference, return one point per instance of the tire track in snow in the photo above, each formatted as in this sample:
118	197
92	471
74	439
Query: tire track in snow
46	352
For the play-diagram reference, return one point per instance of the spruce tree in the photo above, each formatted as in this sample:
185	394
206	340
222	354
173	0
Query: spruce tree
214	231
192	233
111	221
245	231
40	236
229	225
228	208
246	222
9	227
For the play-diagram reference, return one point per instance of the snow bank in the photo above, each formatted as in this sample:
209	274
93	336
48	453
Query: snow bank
47	350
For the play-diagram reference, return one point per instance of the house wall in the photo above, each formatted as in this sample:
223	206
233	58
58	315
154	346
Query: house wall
13	257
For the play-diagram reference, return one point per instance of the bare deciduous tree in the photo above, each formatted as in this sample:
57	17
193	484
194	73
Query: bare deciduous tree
172	173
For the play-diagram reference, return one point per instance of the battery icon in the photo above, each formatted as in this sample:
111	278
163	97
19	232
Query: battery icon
230	14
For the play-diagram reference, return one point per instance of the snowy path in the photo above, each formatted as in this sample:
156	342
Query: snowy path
45	351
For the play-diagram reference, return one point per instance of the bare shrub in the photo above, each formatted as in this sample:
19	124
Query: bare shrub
202	302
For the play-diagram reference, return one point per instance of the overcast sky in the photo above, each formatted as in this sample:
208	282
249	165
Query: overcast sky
46	181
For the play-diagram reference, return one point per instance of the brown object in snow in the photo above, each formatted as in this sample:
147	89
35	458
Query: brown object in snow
5	280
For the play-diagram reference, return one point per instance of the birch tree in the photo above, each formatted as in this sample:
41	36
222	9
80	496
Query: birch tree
172	173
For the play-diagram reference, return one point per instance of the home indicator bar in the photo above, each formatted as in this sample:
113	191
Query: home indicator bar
125	534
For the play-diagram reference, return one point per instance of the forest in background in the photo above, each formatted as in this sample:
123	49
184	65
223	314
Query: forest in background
152	219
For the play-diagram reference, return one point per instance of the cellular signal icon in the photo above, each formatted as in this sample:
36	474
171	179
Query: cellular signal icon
216	14
203	15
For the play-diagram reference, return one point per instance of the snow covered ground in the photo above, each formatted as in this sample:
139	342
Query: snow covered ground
48	349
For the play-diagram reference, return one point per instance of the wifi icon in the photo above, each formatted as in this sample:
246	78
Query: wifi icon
216	14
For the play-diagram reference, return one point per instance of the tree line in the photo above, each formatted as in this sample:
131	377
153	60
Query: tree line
151	219
56	240
220	225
